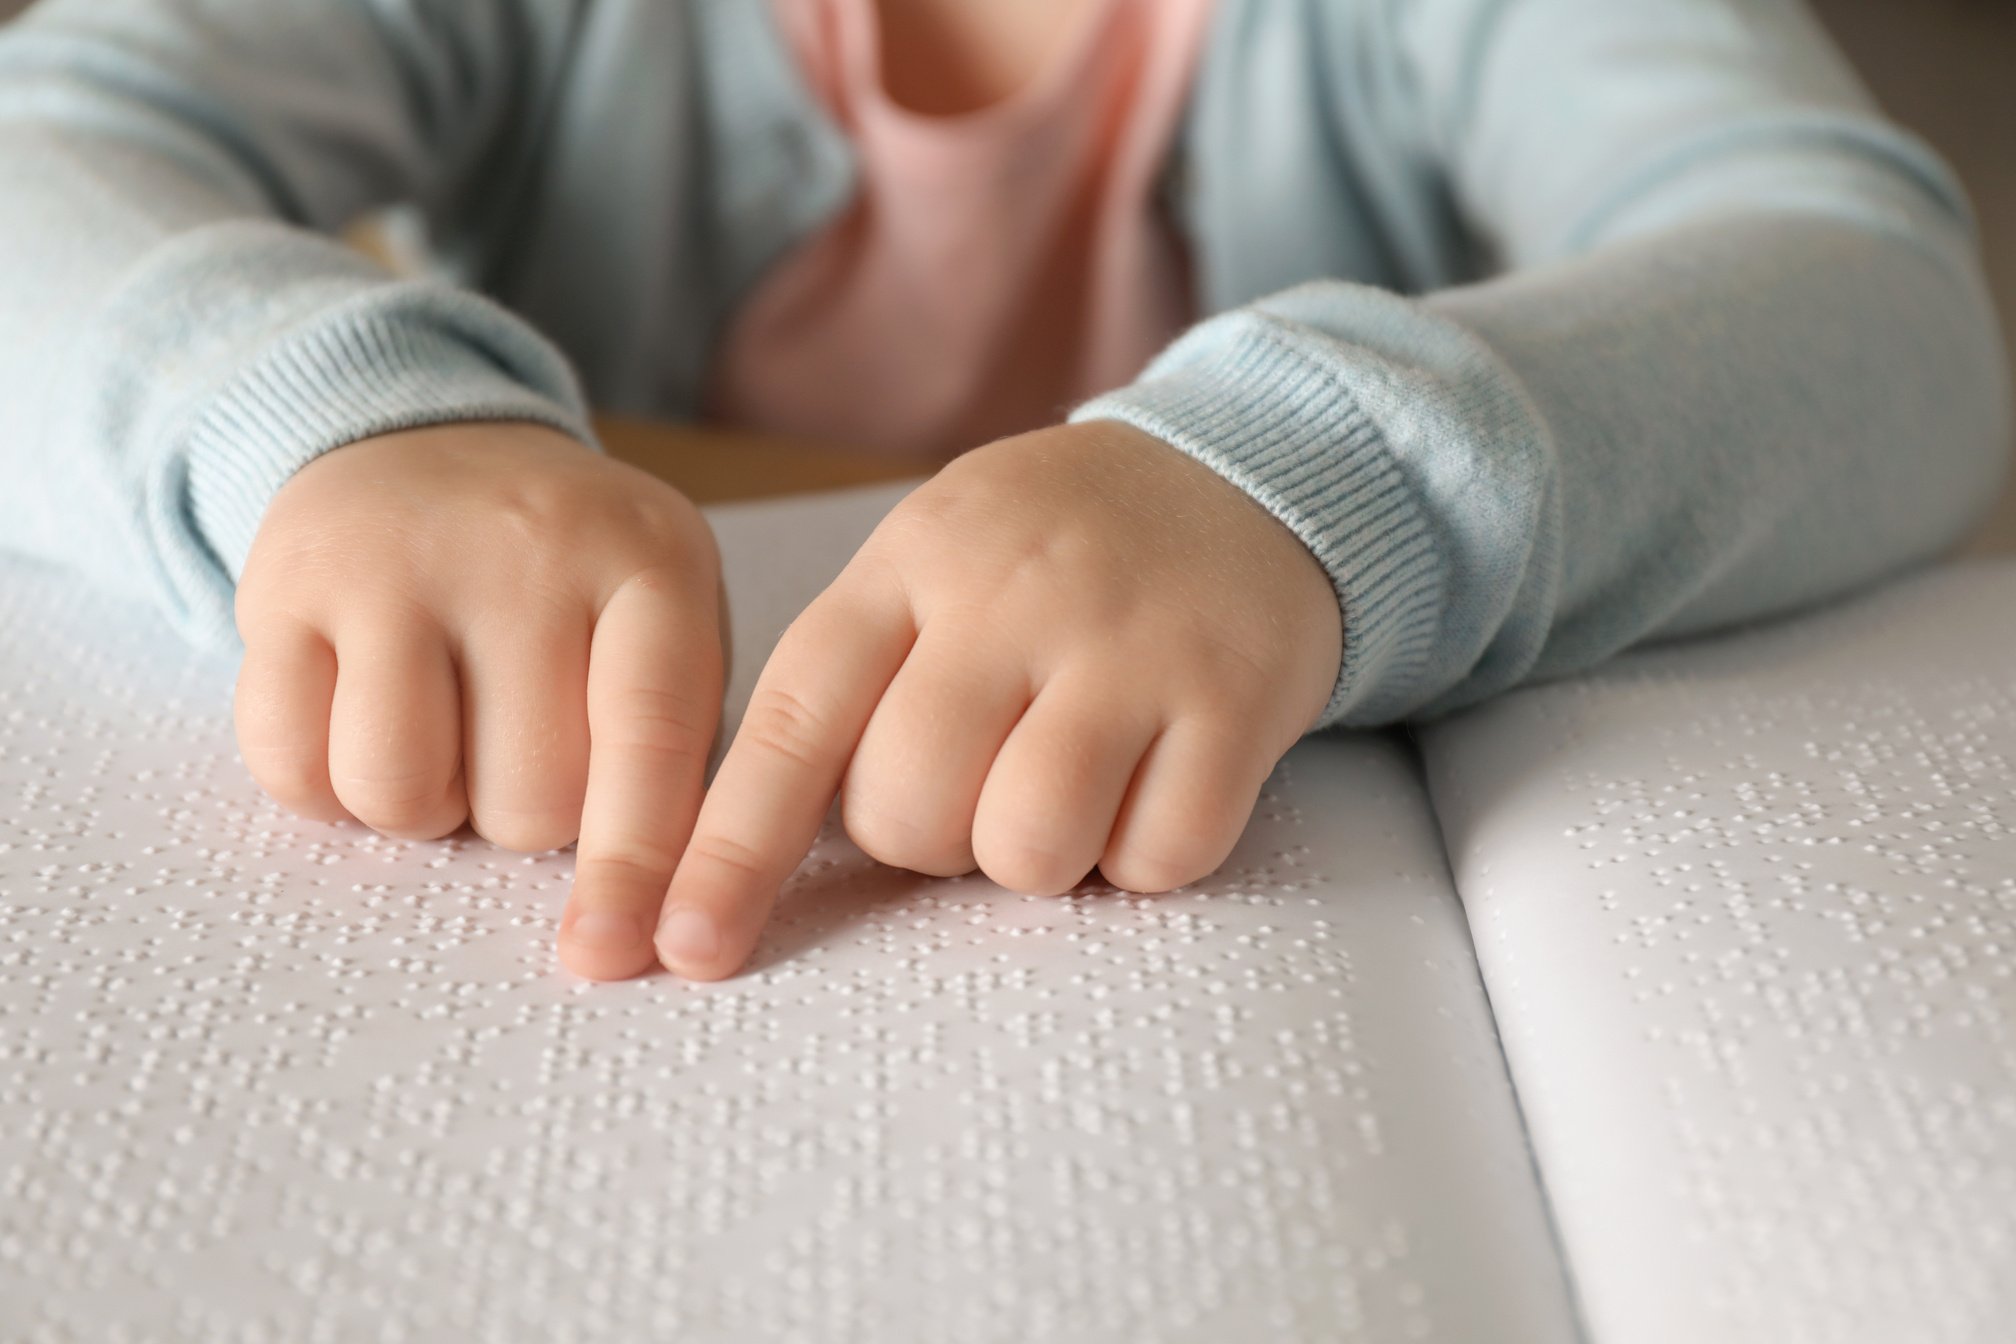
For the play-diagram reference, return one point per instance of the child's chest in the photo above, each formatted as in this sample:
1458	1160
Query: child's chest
944	57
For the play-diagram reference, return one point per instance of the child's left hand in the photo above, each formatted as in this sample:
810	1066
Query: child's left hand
1073	647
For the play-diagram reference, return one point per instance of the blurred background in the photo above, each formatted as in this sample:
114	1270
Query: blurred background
1946	68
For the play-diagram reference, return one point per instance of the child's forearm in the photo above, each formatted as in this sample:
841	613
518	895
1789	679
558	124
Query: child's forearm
1517	480
1752	414
177	334
1744	358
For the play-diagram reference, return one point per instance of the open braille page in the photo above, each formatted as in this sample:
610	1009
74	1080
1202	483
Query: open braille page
264	1079
1746	908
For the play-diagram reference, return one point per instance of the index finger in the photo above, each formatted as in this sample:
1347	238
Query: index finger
654	698
781	773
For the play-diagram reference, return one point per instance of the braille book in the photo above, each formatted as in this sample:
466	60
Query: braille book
1676	1002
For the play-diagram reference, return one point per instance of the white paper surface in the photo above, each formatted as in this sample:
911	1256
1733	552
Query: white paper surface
265	1079
1746	909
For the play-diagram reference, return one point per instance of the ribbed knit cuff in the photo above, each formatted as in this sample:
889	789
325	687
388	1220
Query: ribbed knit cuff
1262	405
431	356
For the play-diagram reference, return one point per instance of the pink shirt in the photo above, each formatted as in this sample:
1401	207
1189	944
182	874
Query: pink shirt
995	267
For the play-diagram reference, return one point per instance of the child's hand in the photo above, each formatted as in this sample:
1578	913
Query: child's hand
436	622
1070	648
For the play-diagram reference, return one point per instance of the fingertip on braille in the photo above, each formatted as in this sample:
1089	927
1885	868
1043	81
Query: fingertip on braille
606	945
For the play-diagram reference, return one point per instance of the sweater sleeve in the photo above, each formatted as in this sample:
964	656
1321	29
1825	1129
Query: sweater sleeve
1736	355
179	333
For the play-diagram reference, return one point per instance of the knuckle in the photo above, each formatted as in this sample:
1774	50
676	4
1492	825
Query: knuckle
946	500
638	865
677	530
659	722
938	523
293	779
527	815
889	837
402	801
1151	871
722	852
781	724
1031	868
662	581
1161	861
533	508
261	594
526	832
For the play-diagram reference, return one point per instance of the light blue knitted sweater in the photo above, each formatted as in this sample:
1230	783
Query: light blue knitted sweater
1548	325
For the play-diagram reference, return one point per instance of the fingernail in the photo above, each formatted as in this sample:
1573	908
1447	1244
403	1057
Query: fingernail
605	928
688	937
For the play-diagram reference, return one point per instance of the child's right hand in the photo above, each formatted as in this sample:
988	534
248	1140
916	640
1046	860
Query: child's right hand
437	622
